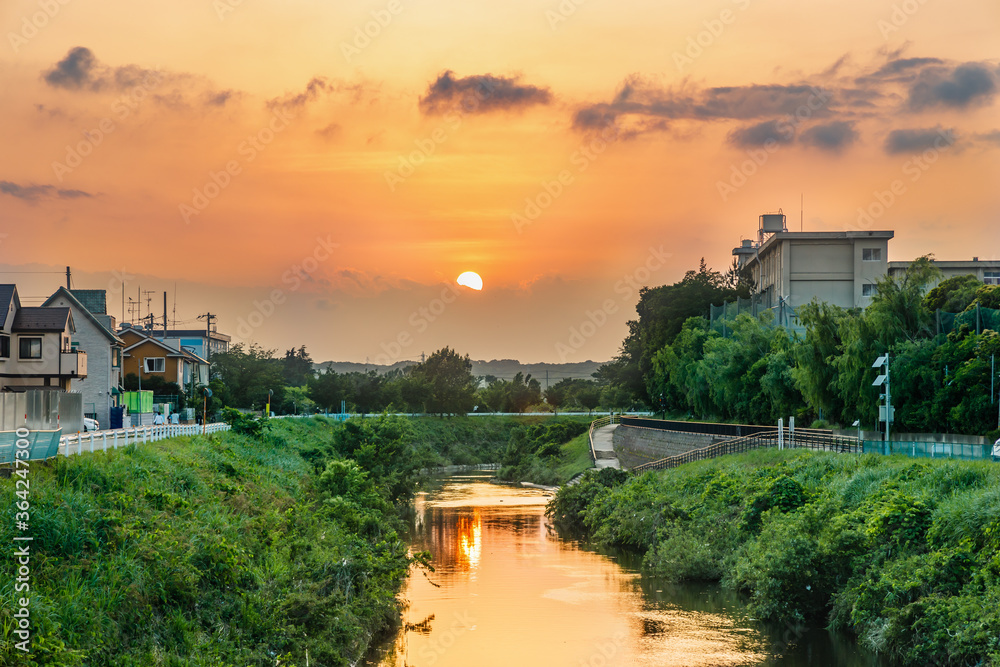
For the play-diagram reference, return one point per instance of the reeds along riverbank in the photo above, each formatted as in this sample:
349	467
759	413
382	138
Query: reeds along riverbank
903	553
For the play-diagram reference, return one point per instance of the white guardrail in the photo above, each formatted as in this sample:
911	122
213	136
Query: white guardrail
98	441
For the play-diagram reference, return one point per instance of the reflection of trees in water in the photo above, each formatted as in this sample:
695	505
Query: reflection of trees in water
454	535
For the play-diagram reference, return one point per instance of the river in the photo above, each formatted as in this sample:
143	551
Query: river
508	590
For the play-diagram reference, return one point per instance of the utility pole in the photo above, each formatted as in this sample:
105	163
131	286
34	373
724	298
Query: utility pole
164	315
884	380
209	318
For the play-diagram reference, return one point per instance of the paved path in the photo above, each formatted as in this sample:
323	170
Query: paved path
603	448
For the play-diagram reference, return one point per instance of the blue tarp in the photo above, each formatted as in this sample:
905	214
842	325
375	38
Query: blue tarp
44	445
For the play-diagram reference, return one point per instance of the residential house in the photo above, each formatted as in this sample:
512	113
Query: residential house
36	350
94	334
148	356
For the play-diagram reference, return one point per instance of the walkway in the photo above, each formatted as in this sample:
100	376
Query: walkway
604	449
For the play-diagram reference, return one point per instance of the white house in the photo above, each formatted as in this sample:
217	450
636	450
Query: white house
95	335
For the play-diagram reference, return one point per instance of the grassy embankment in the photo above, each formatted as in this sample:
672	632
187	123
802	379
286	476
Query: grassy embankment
233	550
540	449
904	553
225	550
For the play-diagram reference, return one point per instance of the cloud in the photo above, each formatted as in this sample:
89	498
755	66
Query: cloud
992	137
834	136
75	71
917	140
898	66
959	87
769	132
34	193
317	87
331	131
639	99
480	94
80	70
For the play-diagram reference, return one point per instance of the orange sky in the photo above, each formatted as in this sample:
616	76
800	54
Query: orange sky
383	167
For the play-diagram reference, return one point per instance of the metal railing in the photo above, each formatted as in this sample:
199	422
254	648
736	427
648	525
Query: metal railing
600	423
78	443
805	438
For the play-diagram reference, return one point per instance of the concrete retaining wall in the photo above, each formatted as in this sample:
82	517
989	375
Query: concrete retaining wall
636	446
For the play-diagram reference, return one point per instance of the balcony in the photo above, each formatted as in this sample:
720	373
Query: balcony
73	364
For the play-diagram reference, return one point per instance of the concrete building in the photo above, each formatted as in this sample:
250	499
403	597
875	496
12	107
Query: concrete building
197	341
986	271
95	335
790	269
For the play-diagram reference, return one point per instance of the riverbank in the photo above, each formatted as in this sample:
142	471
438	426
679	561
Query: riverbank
204	551
904	554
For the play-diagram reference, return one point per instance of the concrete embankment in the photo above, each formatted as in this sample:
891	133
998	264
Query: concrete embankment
635	445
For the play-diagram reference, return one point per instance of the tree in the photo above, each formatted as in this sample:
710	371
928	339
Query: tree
662	312
953	295
297	367
249	373
448	378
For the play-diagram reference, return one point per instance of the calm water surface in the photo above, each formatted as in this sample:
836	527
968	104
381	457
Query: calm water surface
508	590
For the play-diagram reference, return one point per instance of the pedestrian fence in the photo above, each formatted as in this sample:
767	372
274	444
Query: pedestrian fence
824	441
800	438
47	444
931	450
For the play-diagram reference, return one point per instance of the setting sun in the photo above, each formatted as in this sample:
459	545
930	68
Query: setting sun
471	280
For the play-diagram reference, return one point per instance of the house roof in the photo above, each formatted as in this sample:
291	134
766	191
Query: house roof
8	292
39	318
196	333
94	300
194	357
171	352
72	297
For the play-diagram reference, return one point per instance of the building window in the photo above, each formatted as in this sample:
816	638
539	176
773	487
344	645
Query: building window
991	277
4	346
116	357
871	254
30	348
155	364
867	290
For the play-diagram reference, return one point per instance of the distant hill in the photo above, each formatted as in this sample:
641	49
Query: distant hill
504	369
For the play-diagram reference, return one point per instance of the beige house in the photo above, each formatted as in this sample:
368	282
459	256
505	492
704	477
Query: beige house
36	349
147	356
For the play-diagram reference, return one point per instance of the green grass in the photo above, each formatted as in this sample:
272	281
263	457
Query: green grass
904	553
211	550
575	458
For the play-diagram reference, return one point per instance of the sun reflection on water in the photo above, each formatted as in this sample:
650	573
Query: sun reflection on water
470	539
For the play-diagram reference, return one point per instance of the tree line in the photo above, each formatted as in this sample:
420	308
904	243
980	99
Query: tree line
672	359
247	376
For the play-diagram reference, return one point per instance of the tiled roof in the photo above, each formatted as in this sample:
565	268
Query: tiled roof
37	318
94	300
7	293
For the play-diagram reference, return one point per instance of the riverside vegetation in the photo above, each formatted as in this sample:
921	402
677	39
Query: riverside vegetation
275	543
903	553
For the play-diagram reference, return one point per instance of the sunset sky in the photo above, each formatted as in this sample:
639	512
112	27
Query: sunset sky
320	175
